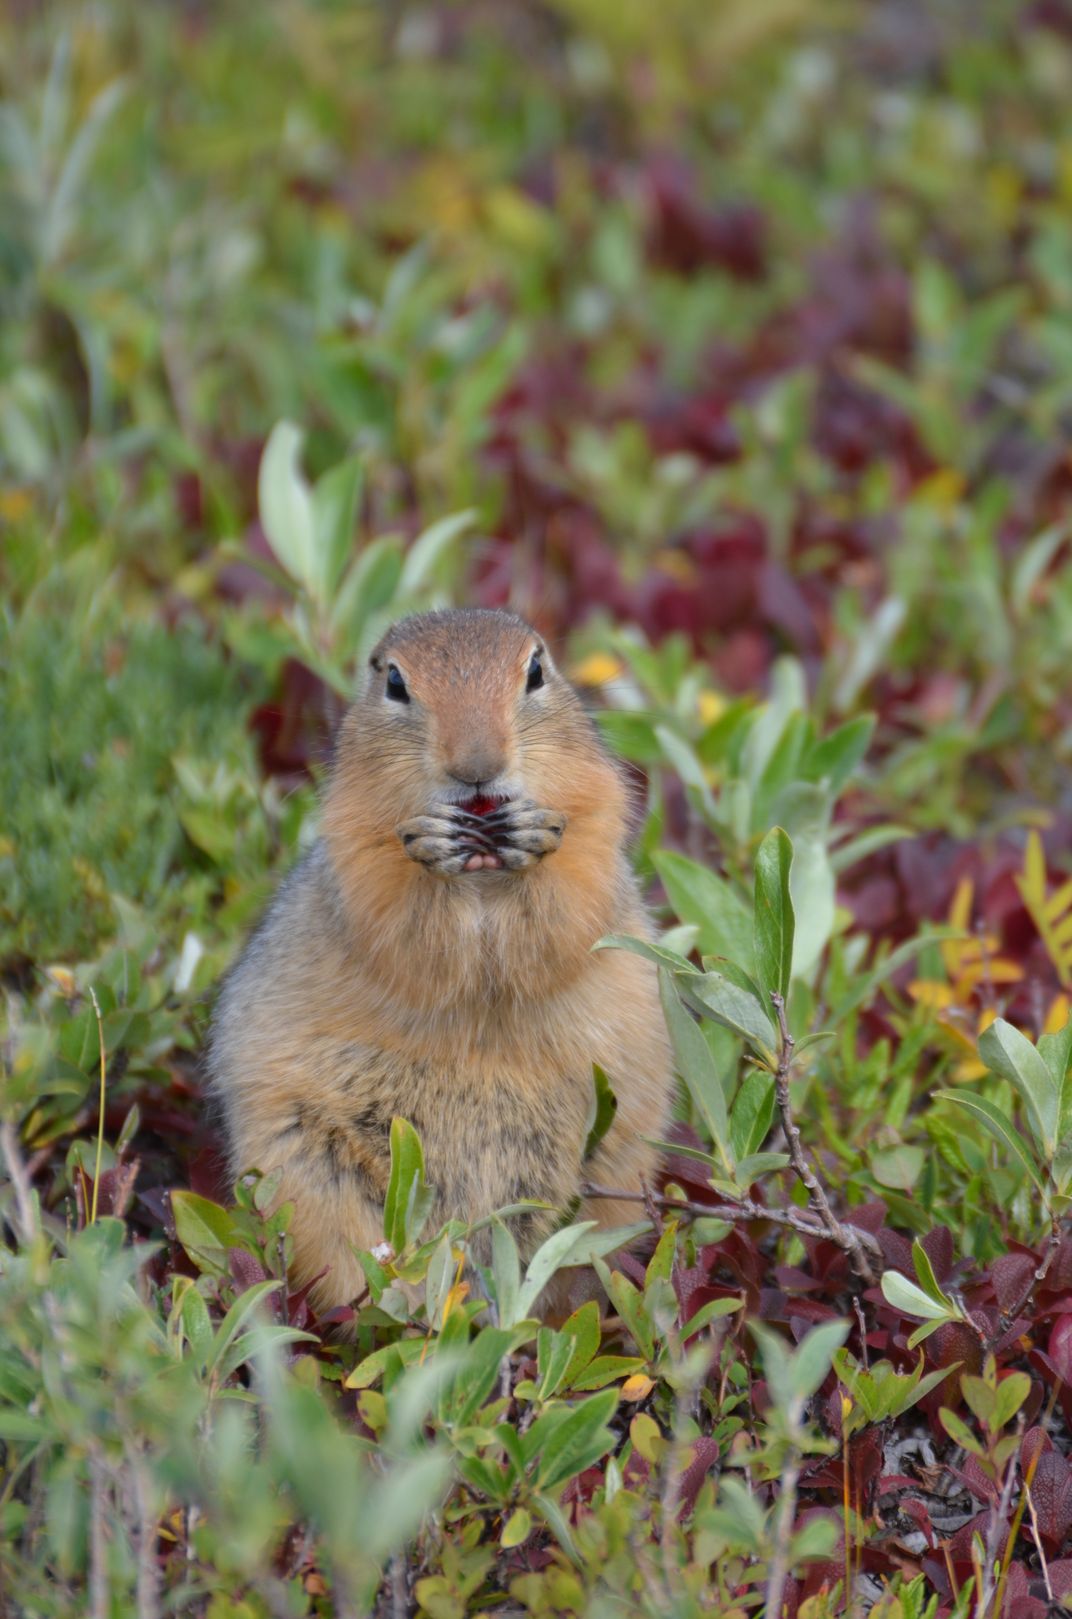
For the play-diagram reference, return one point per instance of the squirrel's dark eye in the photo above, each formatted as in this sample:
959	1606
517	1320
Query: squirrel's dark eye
534	678
396	686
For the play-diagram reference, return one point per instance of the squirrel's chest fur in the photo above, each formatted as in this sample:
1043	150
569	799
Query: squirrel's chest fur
455	1023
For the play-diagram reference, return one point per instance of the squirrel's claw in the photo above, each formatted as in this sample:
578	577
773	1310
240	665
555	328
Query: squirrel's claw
514	838
526	833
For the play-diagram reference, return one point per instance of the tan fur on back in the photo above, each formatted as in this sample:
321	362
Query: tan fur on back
471	1004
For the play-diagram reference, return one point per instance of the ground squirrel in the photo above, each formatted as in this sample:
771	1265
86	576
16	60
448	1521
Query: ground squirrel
432	957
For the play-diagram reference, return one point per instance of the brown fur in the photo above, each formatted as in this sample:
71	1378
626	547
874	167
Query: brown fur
470	1004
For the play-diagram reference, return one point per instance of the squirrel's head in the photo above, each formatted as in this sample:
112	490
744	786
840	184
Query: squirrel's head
467	707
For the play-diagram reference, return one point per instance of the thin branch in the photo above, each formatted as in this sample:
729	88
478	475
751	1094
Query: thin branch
148	1574
100	1112
745	1211
779	1565
99	1603
25	1210
999	1519
1036	1280
846	1236
1038	1541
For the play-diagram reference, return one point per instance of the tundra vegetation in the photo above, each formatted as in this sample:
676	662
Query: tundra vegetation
733	341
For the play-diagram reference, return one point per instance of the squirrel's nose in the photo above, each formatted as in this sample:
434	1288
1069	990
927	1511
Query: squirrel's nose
476	771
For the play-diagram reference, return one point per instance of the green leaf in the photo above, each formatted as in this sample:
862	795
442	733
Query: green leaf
650	952
696	1066
752	1113
554	1352
773	918
426	556
681	758
960	1433
583	1326
204	1229
700	896
408	1201
1056	1051
197	1325
236	1317
286	504
999	1125
1009	1053
477	1376
335	502
912	1300
573	1245
713	1310
835	757
735	1008
506	1273
517	1529
898	1167
1012	1391
926	1278
814	892
814	1356
601	1117
368	587
578	1442
607	1369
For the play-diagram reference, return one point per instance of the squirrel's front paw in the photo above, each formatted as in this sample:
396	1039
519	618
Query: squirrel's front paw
524	833
511	838
443	842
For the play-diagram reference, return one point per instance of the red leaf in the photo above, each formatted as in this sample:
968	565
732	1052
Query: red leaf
1051	1492
1059	1347
704	1455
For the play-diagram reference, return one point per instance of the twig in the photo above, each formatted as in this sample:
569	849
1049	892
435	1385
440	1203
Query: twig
99	1604
1038	1540
148	1579
862	1325
845	1236
1036	1279
398	1573
999	1519
24	1204
779	1566
100	1112
745	1210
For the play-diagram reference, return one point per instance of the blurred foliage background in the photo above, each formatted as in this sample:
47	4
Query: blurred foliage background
731	341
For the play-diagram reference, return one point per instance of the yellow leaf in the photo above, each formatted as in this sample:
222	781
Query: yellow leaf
516	1529
1058	902
518	220
647	1436
1033	887
1005	188
598	669
1057	1016
678	564
710	706
986	1018
15	503
637	1387
930	993
942	489
961	908
457	1296
64	981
